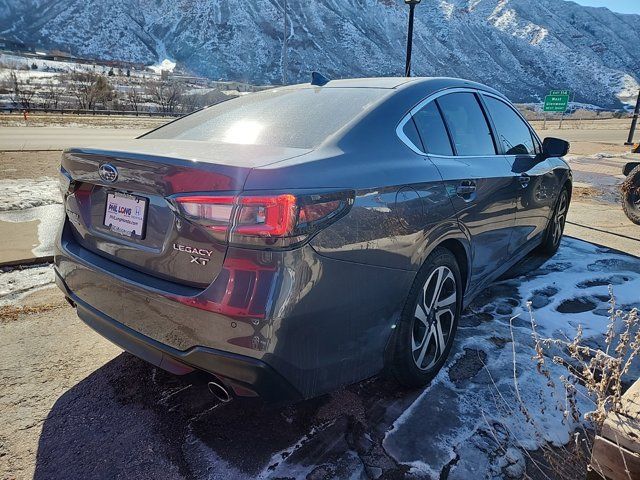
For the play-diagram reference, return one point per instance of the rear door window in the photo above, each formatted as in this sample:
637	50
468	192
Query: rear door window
432	130
513	133
469	129
411	133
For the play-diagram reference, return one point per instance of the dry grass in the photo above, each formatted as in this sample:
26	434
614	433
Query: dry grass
596	372
11	313
587	373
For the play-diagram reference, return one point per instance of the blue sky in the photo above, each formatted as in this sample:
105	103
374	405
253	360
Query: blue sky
623	6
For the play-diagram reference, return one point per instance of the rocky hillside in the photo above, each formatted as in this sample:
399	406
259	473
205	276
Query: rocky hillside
522	47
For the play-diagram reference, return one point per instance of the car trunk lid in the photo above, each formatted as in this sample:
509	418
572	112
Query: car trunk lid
137	178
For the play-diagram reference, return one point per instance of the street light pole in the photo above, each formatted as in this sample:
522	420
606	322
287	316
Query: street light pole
284	45
634	122
412	5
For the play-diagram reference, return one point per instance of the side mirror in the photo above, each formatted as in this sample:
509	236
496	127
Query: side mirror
555	147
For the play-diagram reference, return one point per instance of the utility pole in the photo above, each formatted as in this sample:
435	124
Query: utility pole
412	5
634	122
284	44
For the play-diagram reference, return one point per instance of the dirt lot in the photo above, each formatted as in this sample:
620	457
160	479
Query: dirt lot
589	137
72	405
29	165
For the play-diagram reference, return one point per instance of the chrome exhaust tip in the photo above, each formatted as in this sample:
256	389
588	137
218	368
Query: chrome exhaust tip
218	390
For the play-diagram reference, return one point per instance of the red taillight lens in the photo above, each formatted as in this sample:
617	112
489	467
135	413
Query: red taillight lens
278	220
318	211
214	213
266	216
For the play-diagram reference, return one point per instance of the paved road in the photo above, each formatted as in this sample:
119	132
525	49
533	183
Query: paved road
58	138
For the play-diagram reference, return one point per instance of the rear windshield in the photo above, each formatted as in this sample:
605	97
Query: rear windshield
301	118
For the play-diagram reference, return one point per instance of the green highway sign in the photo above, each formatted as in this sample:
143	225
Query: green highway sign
556	101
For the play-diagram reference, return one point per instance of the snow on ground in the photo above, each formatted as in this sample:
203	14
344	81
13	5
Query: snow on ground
29	200
22	66
28	193
15	284
456	421
166	64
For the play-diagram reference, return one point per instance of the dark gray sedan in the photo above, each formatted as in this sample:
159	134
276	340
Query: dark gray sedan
306	237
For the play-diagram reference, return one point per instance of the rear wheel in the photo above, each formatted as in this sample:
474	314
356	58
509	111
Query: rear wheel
555	229
425	333
631	196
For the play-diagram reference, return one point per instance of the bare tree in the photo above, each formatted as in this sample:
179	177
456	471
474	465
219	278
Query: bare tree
51	94
191	103
196	100
134	95
91	89
166	94
20	91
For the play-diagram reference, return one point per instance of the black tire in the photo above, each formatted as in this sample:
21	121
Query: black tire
631	196
403	357
555	229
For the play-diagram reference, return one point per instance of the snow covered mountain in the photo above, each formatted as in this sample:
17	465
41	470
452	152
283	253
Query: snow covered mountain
522	47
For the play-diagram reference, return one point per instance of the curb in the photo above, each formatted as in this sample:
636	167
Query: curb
26	262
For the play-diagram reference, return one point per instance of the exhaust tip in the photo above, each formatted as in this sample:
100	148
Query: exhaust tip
219	391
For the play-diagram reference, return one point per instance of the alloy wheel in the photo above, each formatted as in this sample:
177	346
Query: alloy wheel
434	318
560	218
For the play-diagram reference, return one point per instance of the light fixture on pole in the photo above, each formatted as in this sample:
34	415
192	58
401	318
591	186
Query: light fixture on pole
412	5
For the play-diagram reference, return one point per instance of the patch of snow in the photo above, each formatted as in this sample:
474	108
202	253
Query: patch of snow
166	64
28	193
17	283
628	90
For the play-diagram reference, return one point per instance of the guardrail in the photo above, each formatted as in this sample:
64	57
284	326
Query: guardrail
74	111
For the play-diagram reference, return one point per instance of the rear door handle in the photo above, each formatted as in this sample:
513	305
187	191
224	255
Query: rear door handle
466	188
524	180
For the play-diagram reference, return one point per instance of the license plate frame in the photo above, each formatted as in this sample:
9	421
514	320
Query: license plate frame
125	214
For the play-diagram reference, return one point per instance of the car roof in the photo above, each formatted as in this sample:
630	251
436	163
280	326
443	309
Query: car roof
372	82
390	83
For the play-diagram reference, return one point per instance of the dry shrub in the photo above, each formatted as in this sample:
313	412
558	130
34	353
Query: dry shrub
587	371
599	372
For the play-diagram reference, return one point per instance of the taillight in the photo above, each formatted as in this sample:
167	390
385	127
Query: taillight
273	216
277	221
214	213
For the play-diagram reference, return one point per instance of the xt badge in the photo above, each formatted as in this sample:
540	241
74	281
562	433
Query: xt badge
199	256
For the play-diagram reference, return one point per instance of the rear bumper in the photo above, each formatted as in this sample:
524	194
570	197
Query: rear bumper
247	376
314	324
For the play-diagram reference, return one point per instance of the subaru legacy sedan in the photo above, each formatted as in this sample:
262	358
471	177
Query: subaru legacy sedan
299	239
